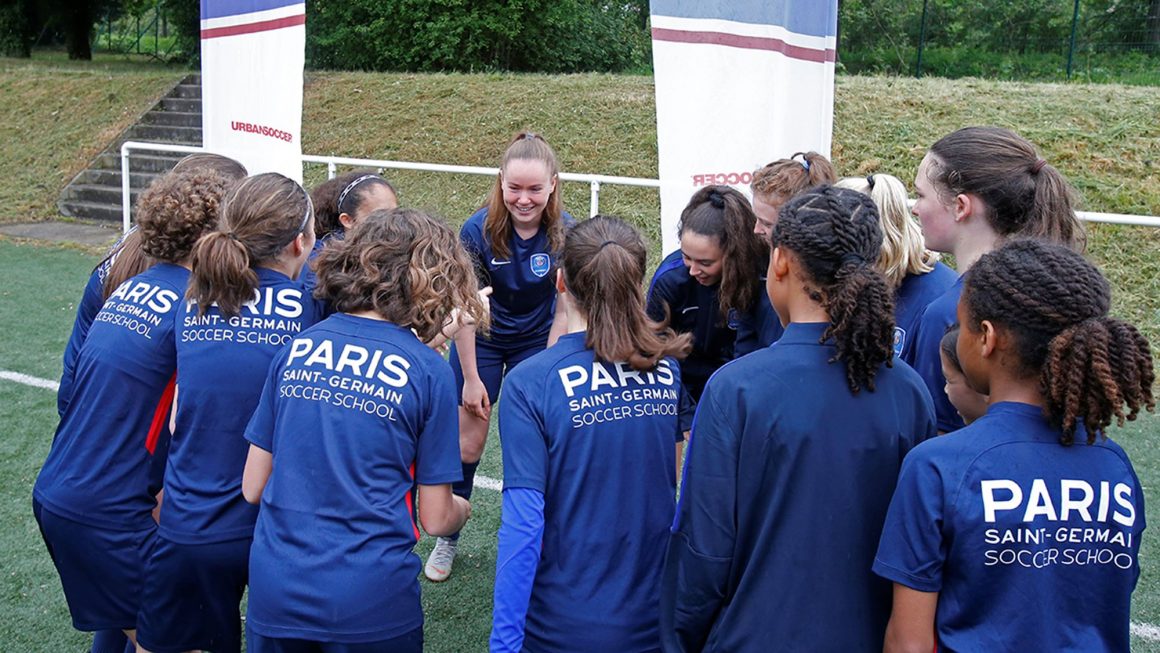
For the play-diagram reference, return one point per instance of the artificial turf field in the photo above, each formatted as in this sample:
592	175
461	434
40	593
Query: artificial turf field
37	305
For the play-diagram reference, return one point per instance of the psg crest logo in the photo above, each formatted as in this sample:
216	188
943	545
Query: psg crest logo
541	263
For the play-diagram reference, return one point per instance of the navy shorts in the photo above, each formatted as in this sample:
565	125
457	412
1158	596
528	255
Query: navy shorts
191	597
494	361
411	642
101	570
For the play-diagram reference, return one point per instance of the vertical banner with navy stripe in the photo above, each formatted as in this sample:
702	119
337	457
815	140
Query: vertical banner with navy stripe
739	83
252	54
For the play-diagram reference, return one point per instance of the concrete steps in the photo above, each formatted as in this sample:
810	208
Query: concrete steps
95	193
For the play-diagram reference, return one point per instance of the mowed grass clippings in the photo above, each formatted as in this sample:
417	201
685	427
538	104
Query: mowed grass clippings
54	119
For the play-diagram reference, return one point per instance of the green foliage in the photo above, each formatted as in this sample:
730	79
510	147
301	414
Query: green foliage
467	35
1028	39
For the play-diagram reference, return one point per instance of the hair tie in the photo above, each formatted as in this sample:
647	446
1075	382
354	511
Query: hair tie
870	180
349	187
1037	166
530	136
851	258
606	244
716	199
805	163
232	236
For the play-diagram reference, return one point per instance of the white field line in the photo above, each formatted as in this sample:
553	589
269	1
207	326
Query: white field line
481	481
1146	631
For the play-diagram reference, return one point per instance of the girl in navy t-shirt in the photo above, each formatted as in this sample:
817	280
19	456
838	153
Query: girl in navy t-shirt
93	498
773	185
977	187
357	413
794	451
242	307
711	284
124	260
514	242
340	204
913	270
591	420
1021	531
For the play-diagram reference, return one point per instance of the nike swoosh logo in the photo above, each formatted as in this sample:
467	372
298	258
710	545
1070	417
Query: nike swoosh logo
498	263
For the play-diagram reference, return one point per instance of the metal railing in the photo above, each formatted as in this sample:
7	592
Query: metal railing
594	181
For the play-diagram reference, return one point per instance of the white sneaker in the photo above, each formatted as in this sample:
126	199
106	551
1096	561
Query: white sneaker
438	567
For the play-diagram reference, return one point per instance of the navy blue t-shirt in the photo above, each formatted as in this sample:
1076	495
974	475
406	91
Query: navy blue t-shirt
355	411
523	299
1031	545
97	471
912	297
692	308
787	480
221	366
597	439
922	353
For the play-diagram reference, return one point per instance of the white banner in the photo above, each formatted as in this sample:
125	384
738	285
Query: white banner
739	83
252	54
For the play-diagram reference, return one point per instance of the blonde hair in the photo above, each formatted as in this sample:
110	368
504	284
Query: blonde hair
904	250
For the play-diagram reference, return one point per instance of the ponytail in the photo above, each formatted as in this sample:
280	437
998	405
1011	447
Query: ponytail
126	261
604	263
261	216
1055	305
221	274
835	234
1024	196
782	179
1093	369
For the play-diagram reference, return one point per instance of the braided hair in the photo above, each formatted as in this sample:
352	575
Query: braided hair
1055	305
835	235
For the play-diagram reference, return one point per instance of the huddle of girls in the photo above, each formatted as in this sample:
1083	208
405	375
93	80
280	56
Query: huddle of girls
852	527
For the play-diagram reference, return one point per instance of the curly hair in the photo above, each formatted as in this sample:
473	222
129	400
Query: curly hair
1025	196
327	195
405	265
604	262
904	250
177	209
722	213
784	178
497	226
259	217
835	235
1055	304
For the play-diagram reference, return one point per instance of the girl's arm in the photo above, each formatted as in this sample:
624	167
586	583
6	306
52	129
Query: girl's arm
259	465
475	399
559	323
441	513
911	626
521	533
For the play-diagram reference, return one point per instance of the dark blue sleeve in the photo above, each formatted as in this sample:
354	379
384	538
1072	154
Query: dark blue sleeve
437	458
472	238
686	408
694	584
525	449
91	302
521	533
912	549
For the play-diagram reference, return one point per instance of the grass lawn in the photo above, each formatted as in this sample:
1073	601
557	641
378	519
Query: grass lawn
55	116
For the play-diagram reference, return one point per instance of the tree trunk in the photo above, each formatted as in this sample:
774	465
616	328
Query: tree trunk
78	26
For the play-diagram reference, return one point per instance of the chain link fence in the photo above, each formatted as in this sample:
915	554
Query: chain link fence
1046	40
